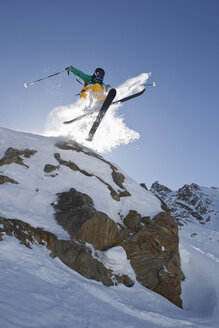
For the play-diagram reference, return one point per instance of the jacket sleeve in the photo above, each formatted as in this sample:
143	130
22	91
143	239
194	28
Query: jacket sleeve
85	77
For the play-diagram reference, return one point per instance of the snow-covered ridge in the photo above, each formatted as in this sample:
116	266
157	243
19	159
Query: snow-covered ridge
62	195
30	198
56	185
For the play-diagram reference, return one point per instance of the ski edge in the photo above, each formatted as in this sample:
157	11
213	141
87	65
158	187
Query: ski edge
79	117
129	97
102	111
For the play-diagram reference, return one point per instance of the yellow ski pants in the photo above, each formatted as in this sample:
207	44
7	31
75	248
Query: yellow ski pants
96	90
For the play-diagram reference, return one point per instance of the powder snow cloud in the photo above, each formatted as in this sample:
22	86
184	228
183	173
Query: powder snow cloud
113	130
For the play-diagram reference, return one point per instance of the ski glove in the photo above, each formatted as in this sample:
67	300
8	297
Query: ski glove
107	87
68	68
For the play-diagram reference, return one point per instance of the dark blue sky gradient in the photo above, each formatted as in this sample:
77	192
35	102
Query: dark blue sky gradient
176	40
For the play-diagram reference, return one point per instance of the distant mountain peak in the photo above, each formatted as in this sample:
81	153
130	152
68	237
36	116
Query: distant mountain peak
191	203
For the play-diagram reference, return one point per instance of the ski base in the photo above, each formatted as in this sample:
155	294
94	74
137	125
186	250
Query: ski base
108	101
129	97
79	118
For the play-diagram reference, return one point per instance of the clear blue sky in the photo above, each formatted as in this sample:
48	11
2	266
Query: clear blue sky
176	40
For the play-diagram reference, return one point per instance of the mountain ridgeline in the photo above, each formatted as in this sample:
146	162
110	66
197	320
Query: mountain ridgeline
191	203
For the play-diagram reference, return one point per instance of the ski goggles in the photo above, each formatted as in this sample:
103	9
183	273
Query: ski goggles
99	76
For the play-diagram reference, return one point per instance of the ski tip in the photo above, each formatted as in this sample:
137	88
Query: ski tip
154	84
90	137
25	85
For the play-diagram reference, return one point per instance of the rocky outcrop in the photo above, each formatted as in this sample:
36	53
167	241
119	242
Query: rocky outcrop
77	256
117	177
5	179
48	168
115	195
154	256
150	245
77	215
13	155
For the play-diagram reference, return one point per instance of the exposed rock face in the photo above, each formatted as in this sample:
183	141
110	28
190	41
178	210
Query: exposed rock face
78	216
76	255
190	203
13	155
153	252
48	168
5	179
133	221
151	246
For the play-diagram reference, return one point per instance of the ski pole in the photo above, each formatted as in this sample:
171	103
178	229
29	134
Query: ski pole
44	78
150	84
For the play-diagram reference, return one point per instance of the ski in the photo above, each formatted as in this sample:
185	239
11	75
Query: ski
129	97
135	94
79	117
107	102
114	102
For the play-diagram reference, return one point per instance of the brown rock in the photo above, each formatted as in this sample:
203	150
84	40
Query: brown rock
116	196
48	168
78	216
143	185
13	155
75	255
154	256
133	221
125	280
5	179
100	231
150	245
118	177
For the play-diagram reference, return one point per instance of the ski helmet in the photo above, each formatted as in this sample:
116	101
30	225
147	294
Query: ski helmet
99	73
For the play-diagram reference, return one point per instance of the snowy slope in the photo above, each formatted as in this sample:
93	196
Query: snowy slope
38	291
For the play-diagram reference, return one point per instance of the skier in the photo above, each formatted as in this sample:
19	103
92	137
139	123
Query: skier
93	83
